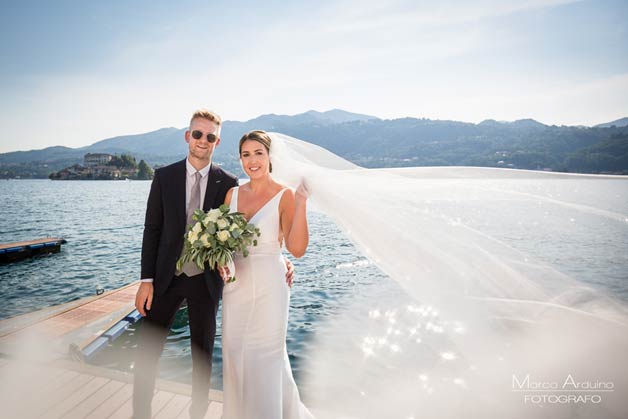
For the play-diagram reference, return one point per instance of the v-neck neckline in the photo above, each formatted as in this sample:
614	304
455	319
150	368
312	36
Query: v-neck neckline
260	208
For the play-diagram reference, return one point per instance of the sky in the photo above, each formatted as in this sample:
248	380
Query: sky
76	72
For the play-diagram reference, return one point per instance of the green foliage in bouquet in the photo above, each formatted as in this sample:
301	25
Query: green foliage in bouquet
215	237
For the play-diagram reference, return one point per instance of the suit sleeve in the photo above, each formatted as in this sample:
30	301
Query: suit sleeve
229	182
232	182
153	225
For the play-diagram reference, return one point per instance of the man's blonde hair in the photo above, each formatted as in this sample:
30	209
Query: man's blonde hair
207	114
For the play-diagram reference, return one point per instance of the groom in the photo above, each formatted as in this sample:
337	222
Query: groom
177	190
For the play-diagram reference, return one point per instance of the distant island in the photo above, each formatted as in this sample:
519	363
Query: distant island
364	140
104	166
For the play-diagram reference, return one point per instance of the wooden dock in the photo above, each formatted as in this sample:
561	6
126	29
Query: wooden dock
70	390
38	380
77	322
13	252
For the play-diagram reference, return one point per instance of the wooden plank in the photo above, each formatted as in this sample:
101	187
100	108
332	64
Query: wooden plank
174	407
88	392
30	374
59	381
57	396
52	374
87	406
125	410
31	407
76	398
214	411
113	403
26	379
185	413
29	242
160	400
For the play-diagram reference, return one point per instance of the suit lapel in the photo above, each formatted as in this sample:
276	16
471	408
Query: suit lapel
213	183
179	191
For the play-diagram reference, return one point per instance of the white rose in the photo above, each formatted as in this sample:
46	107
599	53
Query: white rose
223	235
213	215
197	228
222	223
205	241
233	227
192	237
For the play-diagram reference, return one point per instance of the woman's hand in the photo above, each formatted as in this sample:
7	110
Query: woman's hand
294	219
303	192
289	272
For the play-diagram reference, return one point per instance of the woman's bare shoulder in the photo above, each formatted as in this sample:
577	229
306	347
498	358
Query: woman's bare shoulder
280	186
287	197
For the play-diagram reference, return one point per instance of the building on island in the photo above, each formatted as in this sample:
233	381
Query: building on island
96	159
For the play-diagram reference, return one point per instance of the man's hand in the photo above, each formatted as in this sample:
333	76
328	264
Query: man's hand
225	273
290	273
144	297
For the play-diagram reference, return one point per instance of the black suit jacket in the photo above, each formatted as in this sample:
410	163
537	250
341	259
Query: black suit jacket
164	227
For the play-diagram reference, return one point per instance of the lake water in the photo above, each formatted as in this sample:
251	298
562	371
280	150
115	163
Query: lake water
103	222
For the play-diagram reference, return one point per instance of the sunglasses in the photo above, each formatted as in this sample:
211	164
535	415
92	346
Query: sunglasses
197	135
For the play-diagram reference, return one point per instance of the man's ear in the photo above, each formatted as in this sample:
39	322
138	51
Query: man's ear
187	136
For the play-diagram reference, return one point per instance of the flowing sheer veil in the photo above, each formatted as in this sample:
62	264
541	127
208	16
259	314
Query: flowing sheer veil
446	236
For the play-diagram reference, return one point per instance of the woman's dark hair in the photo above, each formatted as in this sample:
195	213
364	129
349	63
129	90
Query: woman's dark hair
261	137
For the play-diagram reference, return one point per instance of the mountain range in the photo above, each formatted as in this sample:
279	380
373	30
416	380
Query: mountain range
373	142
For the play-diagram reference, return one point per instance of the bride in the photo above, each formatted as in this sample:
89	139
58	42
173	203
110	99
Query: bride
257	377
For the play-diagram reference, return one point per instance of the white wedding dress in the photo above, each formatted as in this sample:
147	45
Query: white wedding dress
257	377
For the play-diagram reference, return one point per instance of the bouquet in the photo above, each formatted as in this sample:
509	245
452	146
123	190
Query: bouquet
215	237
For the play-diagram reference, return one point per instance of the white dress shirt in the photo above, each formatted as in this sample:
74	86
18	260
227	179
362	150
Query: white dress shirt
189	183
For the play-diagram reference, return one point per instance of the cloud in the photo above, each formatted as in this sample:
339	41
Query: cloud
450	60
370	16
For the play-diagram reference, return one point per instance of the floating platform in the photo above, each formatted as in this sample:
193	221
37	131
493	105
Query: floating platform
12	252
